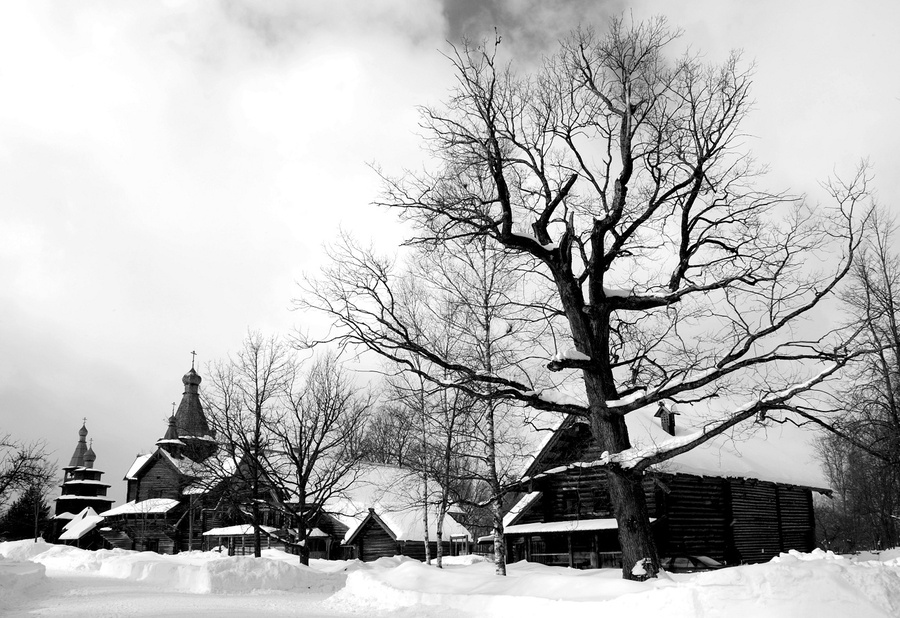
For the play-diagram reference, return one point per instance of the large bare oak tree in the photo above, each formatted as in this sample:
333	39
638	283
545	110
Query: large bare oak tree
620	172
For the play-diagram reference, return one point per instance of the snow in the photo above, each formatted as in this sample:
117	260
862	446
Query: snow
88	482
395	495
616	293
519	507
43	579
80	525
560	398
139	462
638	569
571	354
572	525
775	452
239	530
153	505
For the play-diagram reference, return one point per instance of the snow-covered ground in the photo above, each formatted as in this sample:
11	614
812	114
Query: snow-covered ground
37	579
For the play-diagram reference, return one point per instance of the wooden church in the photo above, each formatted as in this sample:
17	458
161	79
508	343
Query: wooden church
161	513
741	501
82	497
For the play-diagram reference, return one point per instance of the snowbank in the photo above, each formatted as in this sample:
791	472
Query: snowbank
818	584
197	572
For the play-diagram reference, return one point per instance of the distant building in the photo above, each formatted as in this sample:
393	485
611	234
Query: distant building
180	497
82	493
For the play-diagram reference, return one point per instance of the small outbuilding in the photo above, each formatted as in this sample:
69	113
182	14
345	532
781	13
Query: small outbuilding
387	509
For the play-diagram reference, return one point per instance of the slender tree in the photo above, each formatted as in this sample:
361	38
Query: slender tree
491	327
620	173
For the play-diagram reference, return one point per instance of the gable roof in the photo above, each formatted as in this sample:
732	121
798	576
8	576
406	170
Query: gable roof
80	525
136	466
184	465
768	452
392	497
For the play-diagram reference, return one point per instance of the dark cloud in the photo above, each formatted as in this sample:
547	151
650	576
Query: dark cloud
530	27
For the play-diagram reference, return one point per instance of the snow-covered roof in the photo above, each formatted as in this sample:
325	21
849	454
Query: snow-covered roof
239	530
138	463
768	452
86	482
80	525
170	441
395	496
574	525
153	505
77	497
520	507
184	465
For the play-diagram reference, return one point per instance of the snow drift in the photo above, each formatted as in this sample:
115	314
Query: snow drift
818	584
196	572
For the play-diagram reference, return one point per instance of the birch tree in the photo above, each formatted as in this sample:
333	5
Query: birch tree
620	172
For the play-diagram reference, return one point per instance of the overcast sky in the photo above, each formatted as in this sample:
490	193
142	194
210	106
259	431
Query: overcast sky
169	170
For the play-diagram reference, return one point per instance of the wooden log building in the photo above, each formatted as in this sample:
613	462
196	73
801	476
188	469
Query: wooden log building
385	512
734	502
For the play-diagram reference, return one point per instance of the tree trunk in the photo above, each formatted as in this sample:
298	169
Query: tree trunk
302	527
425	517
257	537
499	540
497	497
639	558
424	471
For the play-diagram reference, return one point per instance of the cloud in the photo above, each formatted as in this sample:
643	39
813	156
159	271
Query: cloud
530	27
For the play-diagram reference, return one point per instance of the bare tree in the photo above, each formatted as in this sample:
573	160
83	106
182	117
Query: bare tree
22	465
244	394
861	450
621	174
316	442
390	437
495	332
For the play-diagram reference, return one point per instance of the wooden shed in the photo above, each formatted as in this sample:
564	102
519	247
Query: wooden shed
386	510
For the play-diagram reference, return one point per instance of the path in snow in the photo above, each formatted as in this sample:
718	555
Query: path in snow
89	596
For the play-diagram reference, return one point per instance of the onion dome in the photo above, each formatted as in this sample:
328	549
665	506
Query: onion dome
81	448
189	418
90	457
